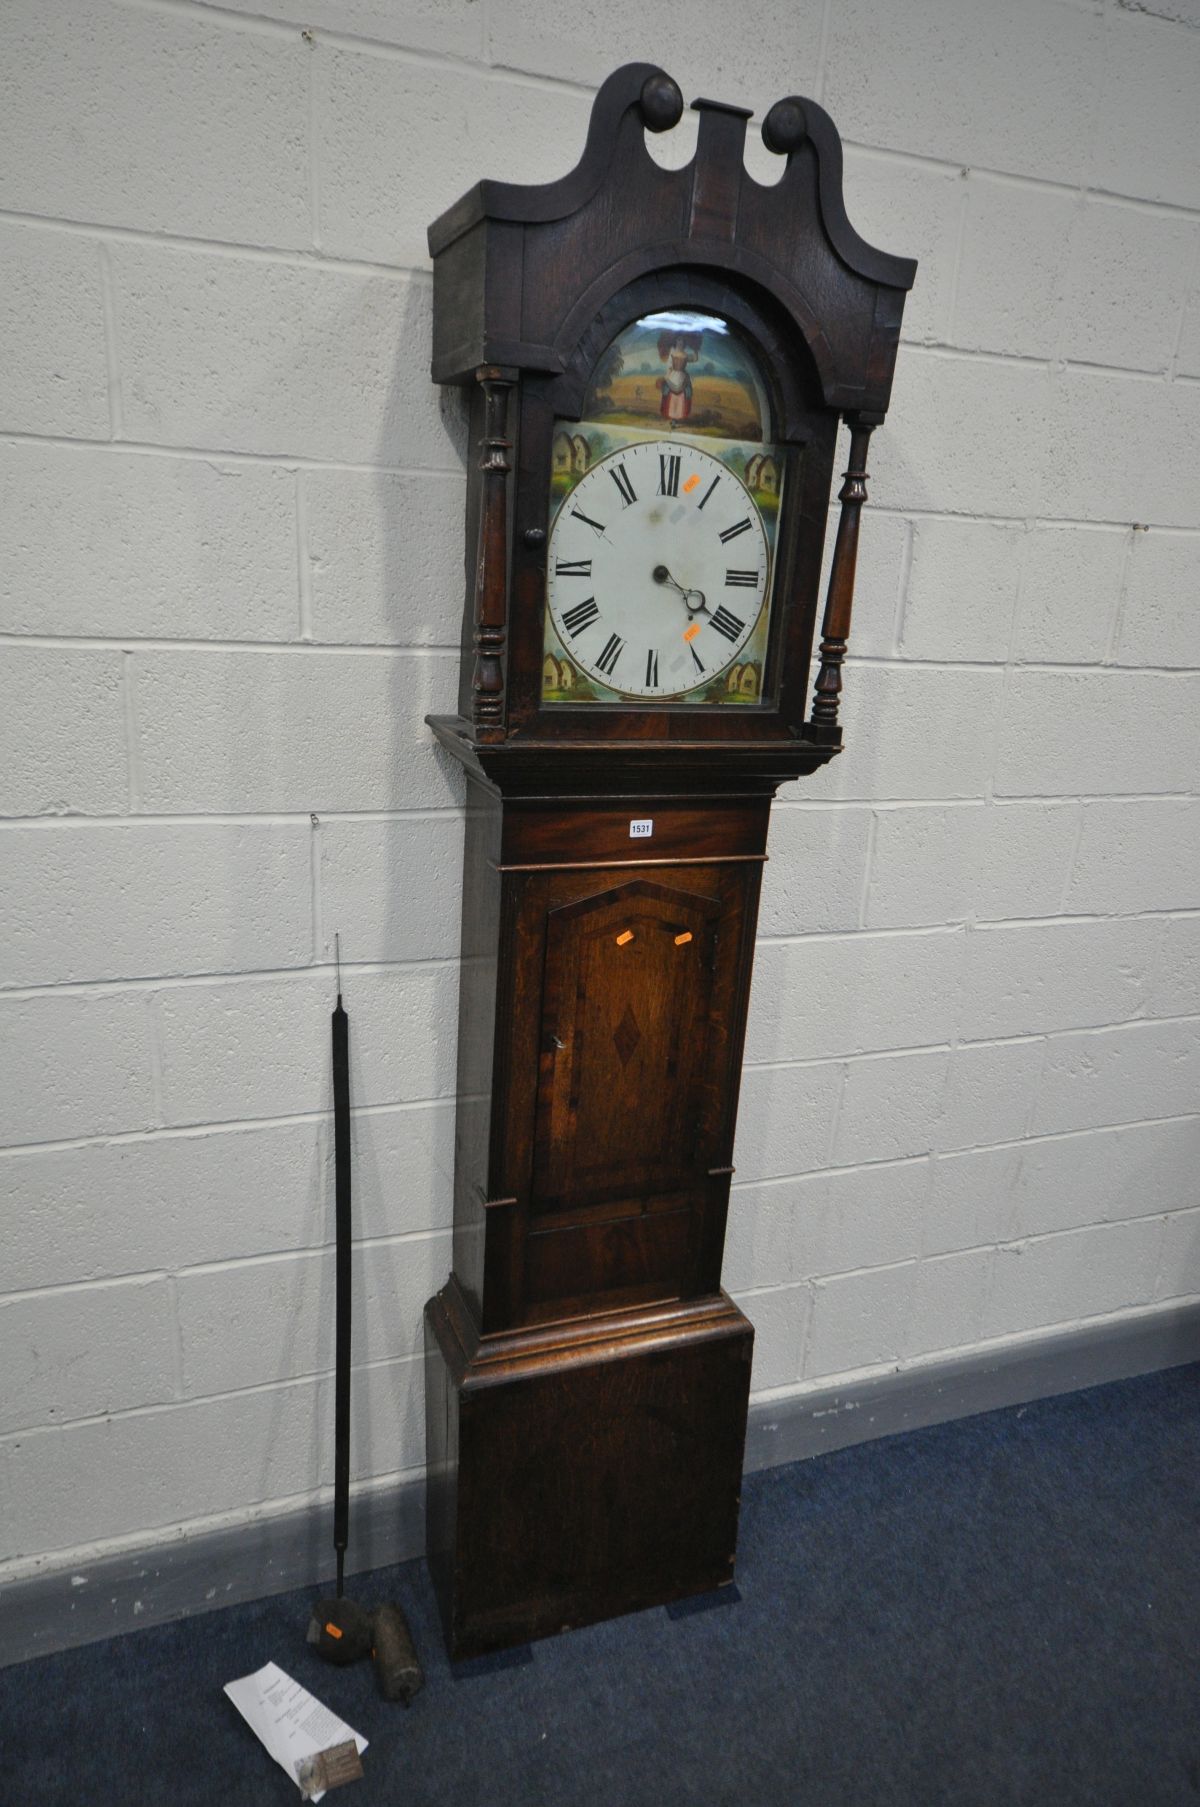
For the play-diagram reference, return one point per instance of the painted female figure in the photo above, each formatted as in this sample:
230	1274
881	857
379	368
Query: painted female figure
677	351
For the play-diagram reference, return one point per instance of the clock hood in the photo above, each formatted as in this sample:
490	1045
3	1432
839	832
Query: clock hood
520	270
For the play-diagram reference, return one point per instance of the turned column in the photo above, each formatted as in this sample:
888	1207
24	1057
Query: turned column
835	629
491	563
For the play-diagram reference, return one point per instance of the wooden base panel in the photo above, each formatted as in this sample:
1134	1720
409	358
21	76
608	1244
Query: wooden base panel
582	1470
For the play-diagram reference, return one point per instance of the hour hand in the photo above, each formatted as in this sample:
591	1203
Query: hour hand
662	576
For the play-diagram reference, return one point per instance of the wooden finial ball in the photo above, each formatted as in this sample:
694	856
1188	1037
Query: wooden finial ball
662	103
785	127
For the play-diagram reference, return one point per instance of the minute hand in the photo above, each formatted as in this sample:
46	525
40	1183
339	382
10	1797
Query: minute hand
663	576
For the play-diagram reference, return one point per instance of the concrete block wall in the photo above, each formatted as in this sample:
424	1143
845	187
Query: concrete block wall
230	546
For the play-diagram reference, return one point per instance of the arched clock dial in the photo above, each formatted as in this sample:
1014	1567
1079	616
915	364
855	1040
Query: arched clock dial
659	568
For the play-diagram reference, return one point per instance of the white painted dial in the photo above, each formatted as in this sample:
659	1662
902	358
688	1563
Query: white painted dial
658	569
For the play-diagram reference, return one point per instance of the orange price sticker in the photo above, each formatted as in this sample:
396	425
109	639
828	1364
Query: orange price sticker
689	633
690	485
625	938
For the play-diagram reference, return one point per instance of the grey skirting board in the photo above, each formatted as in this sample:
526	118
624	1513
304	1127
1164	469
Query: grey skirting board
62	1607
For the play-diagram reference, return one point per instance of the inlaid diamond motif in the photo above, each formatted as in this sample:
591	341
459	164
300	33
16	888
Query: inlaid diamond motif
626	1035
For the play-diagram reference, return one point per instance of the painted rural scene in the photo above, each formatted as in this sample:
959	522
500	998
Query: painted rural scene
681	372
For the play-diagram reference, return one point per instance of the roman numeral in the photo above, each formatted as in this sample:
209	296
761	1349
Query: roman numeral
620	477
728	624
595	525
607	662
573	567
580	616
651	668
668	474
731	533
708	492
700	665
747	580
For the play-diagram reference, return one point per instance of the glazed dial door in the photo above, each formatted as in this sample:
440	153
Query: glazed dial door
659	569
666	498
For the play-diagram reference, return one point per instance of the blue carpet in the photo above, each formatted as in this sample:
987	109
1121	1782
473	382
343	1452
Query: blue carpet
1001	1610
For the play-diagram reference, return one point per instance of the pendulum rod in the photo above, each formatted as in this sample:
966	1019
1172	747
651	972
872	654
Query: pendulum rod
341	1160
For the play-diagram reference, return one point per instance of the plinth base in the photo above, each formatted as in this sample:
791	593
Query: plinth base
581	1470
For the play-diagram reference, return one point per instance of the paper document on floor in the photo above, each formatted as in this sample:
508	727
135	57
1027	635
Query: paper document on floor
292	1723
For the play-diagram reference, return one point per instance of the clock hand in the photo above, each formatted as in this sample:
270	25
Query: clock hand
662	576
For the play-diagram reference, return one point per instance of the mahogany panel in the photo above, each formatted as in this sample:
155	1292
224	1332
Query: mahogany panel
544	833
581	1262
618	1066
582	1477
483	974
626	1005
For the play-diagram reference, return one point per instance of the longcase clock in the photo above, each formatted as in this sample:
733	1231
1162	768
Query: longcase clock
657	363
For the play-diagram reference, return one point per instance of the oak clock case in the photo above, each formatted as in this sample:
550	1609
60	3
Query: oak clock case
657	363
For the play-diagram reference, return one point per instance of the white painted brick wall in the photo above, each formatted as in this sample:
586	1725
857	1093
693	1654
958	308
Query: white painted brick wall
1177	988
144	546
1015	239
65	734
105	902
76	1063
108	123
968	862
274	357
1070	588
256	734
380	562
891	1106
1160	624
55	373
962	590
76	1352
230	581
281	1307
